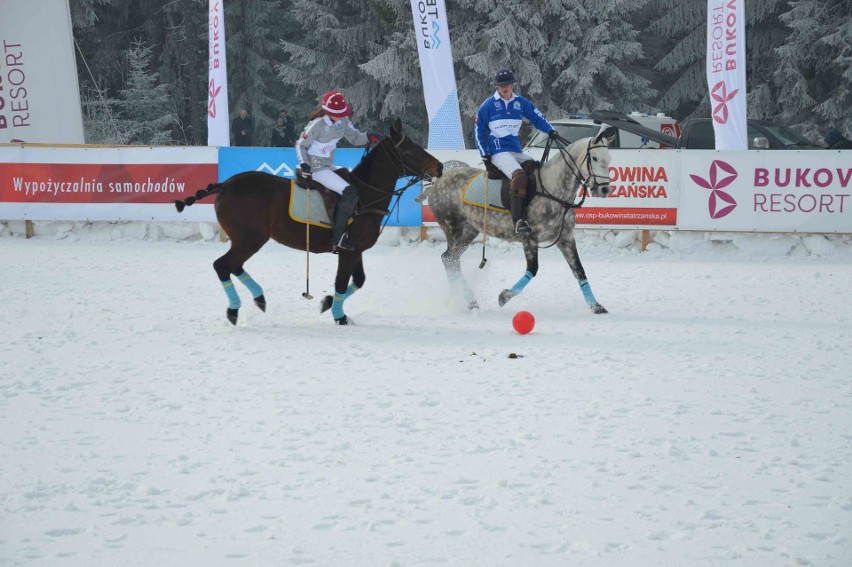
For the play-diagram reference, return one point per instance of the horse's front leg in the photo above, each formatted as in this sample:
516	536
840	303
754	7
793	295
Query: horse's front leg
568	246
358	279
349	266
531	254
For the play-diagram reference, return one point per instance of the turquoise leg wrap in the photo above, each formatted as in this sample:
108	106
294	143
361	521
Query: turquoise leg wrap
337	305
587	292
231	292
522	283
350	290
253	286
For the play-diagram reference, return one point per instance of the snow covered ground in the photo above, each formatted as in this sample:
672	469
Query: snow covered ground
707	420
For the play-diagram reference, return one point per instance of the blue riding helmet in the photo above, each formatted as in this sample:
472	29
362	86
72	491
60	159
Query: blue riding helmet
504	77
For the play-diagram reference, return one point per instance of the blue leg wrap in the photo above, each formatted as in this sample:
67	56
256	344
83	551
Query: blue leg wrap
350	290
522	283
337	305
231	292
253	286
587	292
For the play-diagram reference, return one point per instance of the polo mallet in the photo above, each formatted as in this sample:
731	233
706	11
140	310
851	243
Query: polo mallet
484	223
307	294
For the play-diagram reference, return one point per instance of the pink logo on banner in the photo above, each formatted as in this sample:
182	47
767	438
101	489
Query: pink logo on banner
721	175
720	95
213	91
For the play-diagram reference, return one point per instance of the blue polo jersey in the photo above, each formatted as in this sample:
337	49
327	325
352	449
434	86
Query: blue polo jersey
498	122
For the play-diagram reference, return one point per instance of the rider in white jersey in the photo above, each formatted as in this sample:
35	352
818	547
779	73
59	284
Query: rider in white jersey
315	151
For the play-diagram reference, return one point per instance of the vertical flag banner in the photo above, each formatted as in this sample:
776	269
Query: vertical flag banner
39	94
217	75
726	72
439	78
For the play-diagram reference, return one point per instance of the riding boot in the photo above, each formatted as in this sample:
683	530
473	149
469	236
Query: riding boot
345	208
517	202
518	209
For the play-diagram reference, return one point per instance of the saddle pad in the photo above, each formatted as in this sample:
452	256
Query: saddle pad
474	193
299	206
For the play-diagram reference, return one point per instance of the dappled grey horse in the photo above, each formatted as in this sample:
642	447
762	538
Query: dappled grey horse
550	214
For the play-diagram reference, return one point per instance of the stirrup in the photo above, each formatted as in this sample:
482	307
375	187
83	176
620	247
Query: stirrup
343	244
522	227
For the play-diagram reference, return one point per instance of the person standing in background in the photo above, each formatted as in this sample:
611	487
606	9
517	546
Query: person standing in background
242	129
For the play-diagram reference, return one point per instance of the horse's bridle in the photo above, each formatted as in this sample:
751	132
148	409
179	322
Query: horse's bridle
400	162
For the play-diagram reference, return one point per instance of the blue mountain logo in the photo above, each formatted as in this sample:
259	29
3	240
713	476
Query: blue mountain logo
436	41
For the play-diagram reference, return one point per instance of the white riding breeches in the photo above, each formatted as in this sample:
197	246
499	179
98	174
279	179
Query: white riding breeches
331	180
509	162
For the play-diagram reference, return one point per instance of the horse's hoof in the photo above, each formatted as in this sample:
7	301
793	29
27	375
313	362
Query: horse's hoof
343	321
325	304
232	315
473	305
505	296
260	301
598	308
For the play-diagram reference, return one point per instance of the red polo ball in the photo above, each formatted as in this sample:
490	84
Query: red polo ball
523	322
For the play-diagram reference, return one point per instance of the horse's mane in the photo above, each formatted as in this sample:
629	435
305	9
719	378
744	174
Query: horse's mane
577	150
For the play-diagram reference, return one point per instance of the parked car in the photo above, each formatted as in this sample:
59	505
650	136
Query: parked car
694	134
698	134
632	132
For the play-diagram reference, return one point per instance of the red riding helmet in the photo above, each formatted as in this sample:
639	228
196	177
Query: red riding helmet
334	104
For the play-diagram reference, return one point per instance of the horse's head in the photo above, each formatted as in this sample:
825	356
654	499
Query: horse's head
593	160
582	164
409	156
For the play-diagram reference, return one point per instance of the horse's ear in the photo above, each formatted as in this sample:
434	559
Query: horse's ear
606	136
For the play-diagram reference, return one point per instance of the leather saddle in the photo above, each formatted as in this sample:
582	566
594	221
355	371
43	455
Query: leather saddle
329	197
529	168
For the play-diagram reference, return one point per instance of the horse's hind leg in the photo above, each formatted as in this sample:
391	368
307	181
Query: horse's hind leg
459	238
568	246
232	263
531	254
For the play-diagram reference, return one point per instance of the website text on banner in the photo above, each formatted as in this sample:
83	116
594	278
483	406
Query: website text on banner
282	162
103	184
217	76
726	72
772	191
644	189
439	78
39	96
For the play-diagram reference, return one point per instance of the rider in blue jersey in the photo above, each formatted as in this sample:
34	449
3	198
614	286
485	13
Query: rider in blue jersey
496	131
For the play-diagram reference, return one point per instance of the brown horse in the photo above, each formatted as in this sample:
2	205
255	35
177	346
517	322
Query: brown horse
252	207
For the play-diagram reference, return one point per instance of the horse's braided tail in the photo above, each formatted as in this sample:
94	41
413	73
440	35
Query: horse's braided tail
211	189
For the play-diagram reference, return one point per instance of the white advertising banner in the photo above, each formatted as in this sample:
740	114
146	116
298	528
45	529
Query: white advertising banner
39	94
726	72
439	77
769	191
105	184
644	187
218	131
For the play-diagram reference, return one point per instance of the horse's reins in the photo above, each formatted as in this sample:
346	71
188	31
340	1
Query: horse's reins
576	171
402	167
573	167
